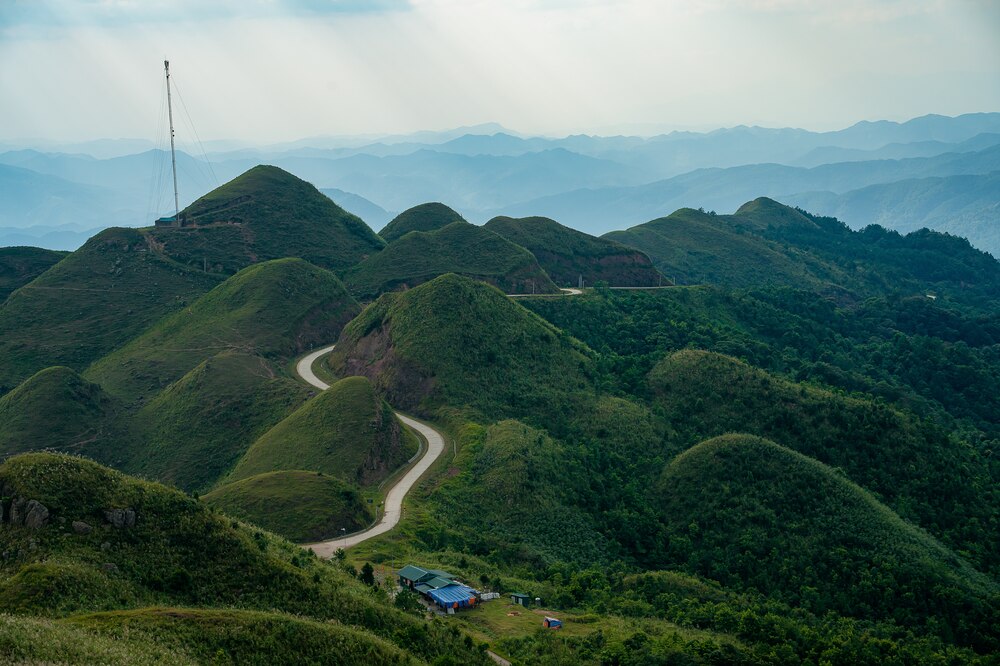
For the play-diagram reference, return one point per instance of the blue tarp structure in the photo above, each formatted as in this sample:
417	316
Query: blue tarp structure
453	594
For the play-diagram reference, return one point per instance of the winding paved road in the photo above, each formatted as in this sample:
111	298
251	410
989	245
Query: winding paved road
394	498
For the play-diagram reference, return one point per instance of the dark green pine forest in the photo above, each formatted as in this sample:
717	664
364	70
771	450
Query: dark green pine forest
757	438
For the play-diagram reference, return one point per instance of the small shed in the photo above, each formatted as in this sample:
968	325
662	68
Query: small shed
167	221
552	623
520	599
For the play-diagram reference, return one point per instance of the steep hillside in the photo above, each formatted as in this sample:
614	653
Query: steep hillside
298	505
91	302
96	540
568	255
752	514
274	309
459	247
347	432
693	247
21	265
460	341
56	409
192	433
266	213
513	490
928	477
766	243
425	217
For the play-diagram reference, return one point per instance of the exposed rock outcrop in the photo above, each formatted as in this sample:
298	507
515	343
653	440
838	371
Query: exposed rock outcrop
120	518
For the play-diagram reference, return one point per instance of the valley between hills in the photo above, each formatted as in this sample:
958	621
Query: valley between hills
756	438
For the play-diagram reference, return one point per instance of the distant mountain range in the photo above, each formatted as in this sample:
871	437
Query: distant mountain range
592	183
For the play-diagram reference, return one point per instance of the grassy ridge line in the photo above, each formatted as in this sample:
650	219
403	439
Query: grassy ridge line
425	217
459	247
92	302
272	309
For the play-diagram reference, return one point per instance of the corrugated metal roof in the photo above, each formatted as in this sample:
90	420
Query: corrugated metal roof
453	594
438	583
422	587
440	574
410	572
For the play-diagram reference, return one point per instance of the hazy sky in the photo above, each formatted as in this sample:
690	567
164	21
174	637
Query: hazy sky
270	70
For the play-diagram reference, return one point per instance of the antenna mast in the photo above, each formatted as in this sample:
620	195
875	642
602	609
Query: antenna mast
173	157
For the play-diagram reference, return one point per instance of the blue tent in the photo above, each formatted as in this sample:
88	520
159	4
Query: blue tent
448	597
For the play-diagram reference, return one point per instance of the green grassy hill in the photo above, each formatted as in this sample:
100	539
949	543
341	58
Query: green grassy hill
459	247
91	302
56	409
693	247
513	489
192	434
21	265
567	254
144	545
458	341
752	514
347	431
766	243
301	506
425	217
166	636
266	213
928	477
275	309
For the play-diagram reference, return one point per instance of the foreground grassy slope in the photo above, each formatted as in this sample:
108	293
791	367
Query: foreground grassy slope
168	636
567	254
459	247
928	477
56	409
266	213
458	341
298	505
21	265
91	302
192	434
171	550
753	514
425	217
347	431
275	309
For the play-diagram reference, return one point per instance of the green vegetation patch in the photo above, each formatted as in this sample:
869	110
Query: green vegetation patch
274	309
191	434
460	248
755	515
346	431
301	506
458	341
91	302
56	409
425	217
148	545
568	255
21	265
244	637
28	640
266	213
515	494
927	476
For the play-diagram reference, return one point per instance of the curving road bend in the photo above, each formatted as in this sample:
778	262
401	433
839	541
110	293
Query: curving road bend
394	499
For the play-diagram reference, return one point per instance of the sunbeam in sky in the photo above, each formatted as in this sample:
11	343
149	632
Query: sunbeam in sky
270	71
